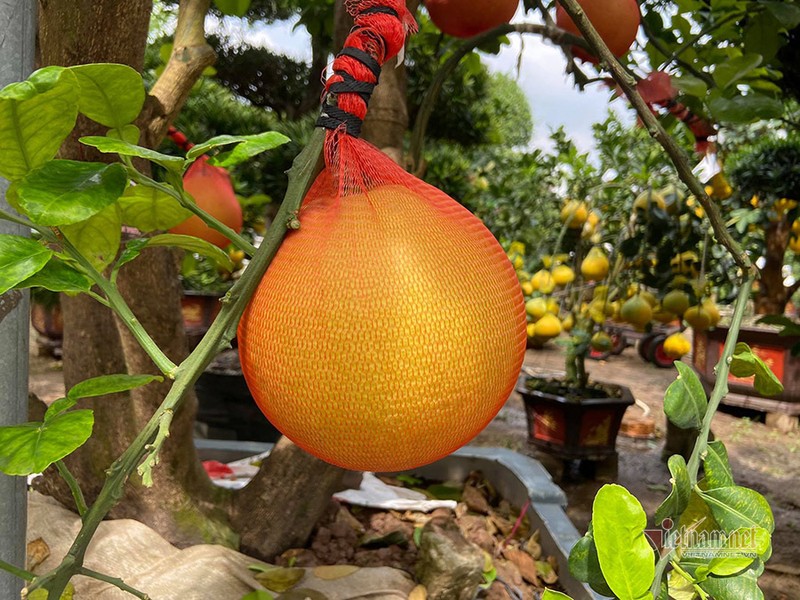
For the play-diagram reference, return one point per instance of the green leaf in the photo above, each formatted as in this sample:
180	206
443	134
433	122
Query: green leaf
133	248
36	116
790	327
746	109
20	258
585	566
736	68
553	595
111	94
58	276
762	35
734	507
786	13
693	86
127	133
32	447
685	401
63	192
746	364
149	209
678	499
193	244
625	555
246	147
109	145
744	586
234	8
41	594
740	549
715	464
97	238
58	407
110	384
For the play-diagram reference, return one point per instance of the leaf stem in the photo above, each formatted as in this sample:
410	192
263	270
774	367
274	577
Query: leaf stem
661	567
74	487
180	195
16	571
115	581
117	303
306	166
45	232
721	384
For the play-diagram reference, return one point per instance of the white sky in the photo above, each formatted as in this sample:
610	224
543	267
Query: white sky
553	99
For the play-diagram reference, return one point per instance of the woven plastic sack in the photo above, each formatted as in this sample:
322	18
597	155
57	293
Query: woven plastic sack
390	328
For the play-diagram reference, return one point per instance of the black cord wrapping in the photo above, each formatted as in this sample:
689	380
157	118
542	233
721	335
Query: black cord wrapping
332	116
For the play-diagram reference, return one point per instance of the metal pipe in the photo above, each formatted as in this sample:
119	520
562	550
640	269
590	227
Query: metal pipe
17	46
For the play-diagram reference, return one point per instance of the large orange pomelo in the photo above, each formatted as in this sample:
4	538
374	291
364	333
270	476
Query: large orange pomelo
617	22
211	188
388	330
467	18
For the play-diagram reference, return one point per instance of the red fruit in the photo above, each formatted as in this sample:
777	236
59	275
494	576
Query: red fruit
617	22
467	18
212	190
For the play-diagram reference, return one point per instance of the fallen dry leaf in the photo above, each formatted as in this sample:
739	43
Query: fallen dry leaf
547	570
524	562
475	500
333	572
37	552
533	547
419	593
280	579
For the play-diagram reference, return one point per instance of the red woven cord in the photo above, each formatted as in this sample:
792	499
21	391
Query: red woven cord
179	139
380	35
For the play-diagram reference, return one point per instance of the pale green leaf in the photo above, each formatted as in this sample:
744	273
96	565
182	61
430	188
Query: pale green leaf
685	401
625	555
110	384
741	587
734	507
110	145
32	447
58	276
715	464
149	209
246	147
63	192
193	244
694	86
111	94
678	499
97	238
553	595
35	117
745	363
20	258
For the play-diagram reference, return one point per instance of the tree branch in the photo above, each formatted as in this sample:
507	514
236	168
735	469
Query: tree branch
191	54
679	158
115	581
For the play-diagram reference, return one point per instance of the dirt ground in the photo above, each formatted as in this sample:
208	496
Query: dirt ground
762	458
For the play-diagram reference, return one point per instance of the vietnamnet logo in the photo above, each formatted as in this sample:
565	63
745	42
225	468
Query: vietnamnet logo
703	543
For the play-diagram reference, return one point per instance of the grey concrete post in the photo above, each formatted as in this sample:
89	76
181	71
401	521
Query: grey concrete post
17	41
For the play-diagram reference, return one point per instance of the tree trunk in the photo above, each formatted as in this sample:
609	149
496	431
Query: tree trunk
181	504
772	293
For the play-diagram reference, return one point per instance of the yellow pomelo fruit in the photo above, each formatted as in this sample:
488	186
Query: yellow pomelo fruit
600	292
563	275
517	261
574	214
527	288
595	266
523	276
636	311
686	263
536	307
698	318
676	302
568	323
713	311
542	280
649	298
553	306
548	326
677	345
601	342
794	244
531	329
796	227
647	199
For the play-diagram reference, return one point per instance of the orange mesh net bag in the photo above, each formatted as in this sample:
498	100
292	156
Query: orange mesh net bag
390	328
